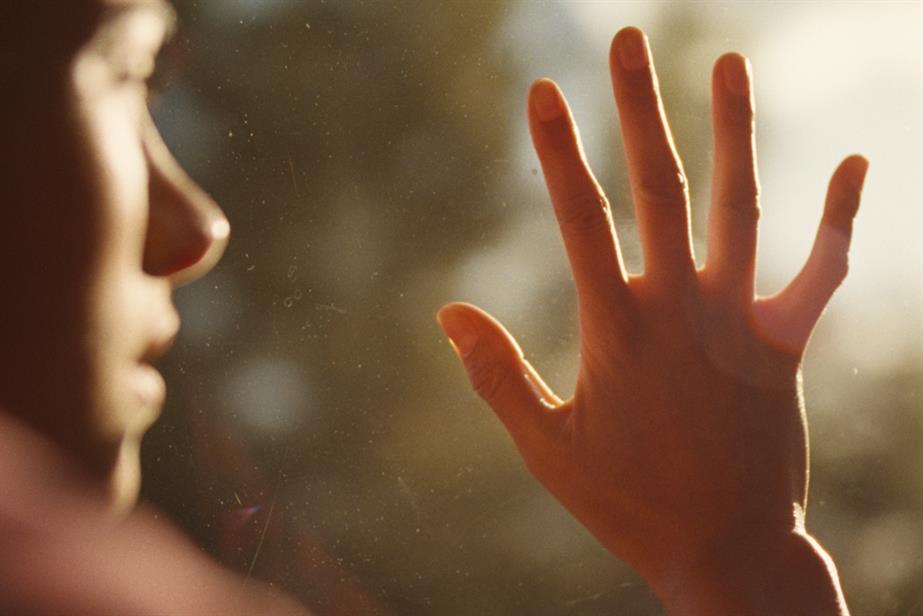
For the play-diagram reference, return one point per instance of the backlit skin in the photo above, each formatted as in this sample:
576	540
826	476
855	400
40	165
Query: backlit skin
98	225
684	449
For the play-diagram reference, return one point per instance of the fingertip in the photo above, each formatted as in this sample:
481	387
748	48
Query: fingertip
546	100
443	311
734	72
455	311
854	168
628	33
845	191
458	327
630	50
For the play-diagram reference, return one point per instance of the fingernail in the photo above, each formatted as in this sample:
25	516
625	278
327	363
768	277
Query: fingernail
632	49
737	75
546	100
462	336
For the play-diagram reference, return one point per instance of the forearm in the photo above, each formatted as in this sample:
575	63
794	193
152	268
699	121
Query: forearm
790	576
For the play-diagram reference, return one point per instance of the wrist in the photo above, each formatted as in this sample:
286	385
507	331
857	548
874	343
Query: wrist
789	573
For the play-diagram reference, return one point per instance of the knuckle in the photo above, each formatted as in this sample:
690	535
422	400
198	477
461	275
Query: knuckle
743	201
747	190
745	212
585	213
831	253
839	267
739	115
829	273
660	193
487	379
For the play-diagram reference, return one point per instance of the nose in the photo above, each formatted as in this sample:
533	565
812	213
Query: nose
187	232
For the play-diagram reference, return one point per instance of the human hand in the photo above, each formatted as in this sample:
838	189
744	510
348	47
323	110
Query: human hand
684	448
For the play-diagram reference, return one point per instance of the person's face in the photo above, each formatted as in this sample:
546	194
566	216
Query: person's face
98	224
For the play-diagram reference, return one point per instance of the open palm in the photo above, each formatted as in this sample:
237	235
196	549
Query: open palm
684	445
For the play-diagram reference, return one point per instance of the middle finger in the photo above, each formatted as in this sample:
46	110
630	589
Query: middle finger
658	183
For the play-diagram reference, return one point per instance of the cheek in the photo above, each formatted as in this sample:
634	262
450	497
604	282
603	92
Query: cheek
110	115
117	167
119	164
80	182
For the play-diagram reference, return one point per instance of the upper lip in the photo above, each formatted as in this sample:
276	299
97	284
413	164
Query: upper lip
159	346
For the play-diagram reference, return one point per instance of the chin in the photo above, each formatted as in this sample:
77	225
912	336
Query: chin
125	479
143	400
130	411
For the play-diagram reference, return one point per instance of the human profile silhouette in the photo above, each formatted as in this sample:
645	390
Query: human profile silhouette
683	449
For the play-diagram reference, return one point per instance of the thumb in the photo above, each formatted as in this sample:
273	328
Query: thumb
498	372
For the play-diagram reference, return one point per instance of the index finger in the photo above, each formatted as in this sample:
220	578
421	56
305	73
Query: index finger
581	207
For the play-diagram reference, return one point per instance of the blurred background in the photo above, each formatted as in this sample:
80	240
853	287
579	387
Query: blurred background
374	161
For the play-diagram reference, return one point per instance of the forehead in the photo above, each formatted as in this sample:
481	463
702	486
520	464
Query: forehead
71	18
102	14
37	37
72	8
106	7
117	4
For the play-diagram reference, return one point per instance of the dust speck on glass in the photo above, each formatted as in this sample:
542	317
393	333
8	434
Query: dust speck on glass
374	162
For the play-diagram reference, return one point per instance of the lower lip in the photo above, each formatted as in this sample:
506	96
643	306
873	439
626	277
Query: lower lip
148	385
